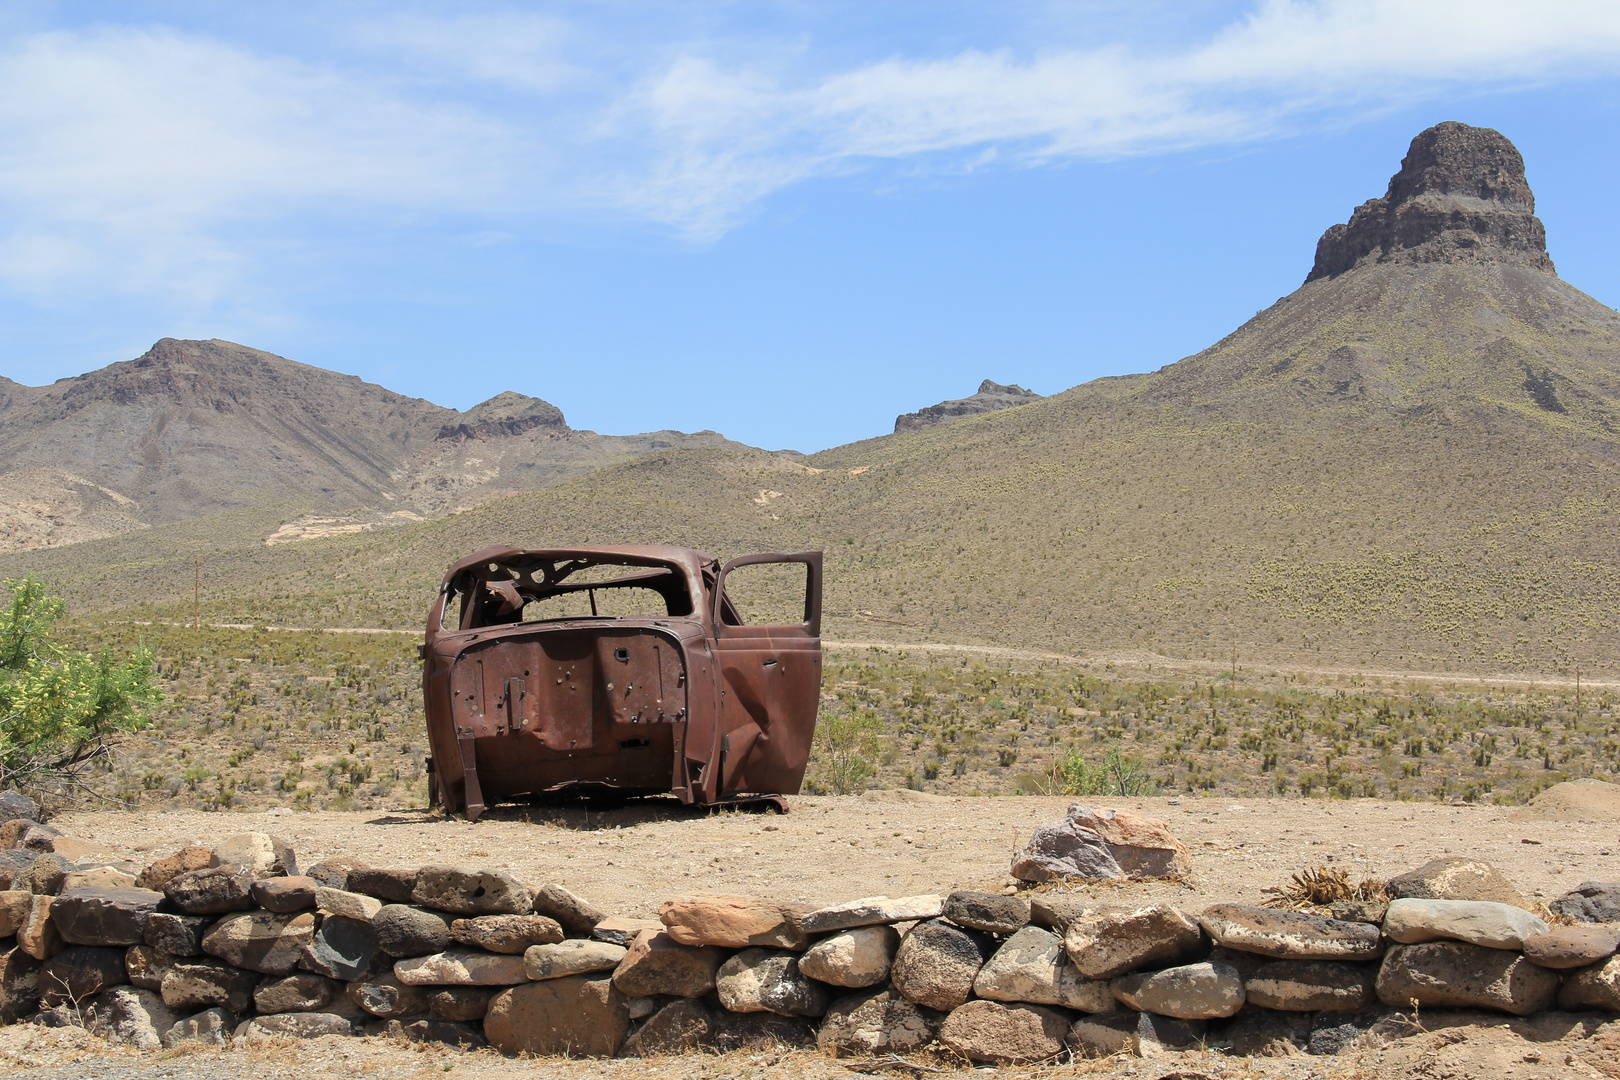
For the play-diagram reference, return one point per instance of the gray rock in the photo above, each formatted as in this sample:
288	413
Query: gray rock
345	949
404	931
762	980
852	958
214	891
1191	992
1455	879
46	874
79	972
14	804
104	916
1444	974
618	931
991	912
463	890
937	963
211	1027
871	911
302	992
14	868
1478	922
656	964
392	886
461	967
199	984
1590	902
1595	987
260	941
176	935
129	1016
387	997
989	1031
576	956
98	877
573	912
582	1016
878	1022
1096	842
1156	1035
1312	986
1032	967
506	933
679	1027
305	1025
1290	935
465	1003
1112	943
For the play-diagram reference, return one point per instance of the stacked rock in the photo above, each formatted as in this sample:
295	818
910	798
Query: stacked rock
233	942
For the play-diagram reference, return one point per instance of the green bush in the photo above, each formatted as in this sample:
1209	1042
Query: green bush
1116	774
60	711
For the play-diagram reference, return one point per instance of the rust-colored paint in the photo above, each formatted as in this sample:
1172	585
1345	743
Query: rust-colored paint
522	703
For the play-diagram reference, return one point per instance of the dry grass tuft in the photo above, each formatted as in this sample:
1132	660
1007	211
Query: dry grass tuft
1323	886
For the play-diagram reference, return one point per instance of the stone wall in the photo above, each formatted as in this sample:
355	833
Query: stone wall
232	942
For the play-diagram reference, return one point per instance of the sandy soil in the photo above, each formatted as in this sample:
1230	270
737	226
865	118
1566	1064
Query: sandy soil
832	849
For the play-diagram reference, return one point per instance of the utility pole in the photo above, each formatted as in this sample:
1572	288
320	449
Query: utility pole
196	600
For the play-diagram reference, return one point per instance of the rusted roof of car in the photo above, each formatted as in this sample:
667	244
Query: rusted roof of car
649	553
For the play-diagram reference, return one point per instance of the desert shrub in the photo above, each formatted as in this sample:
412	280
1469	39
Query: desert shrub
1116	774
845	744
60	711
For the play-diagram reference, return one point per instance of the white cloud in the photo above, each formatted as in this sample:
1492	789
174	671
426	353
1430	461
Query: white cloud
129	158
725	138
155	162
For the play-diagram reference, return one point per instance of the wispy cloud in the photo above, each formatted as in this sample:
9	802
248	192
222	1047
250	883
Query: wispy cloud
153	161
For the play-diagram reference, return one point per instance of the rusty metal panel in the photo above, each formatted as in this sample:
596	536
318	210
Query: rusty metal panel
531	688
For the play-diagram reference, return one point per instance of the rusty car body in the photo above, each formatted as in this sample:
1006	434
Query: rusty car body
615	670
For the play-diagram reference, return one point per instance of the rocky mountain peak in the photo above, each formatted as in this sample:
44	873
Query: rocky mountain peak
507	413
991	397
1460	196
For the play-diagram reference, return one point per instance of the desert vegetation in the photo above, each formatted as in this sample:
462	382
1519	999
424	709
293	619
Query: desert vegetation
254	717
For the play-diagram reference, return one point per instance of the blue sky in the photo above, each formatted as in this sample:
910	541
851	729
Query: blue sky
784	221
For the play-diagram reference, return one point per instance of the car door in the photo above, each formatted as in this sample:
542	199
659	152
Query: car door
771	684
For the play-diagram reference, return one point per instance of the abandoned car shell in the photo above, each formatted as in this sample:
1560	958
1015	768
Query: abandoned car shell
615	669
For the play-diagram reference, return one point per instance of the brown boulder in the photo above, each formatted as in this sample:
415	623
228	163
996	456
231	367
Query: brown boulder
166	869
506	933
1113	943
284	895
936	964
1595	987
261	941
109	916
573	912
1572	946
580	1016
681	1026
658	964
75	974
1455	974
731	922
1290	935
995	1033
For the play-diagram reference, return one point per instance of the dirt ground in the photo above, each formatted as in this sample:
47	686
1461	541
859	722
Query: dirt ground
827	850
831	849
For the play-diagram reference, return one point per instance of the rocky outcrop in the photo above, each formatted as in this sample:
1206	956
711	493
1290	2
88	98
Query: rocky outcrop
1460	196
992	396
